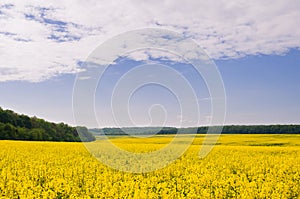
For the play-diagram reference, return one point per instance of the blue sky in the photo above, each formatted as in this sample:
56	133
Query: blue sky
260	89
255	46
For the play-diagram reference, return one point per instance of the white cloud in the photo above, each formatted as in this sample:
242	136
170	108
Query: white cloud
30	30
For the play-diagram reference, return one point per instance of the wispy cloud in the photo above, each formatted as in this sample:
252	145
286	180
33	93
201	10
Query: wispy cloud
41	39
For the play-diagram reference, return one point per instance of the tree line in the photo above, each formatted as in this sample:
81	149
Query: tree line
232	129
14	126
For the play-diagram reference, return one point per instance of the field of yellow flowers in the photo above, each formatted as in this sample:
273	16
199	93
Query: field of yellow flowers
239	166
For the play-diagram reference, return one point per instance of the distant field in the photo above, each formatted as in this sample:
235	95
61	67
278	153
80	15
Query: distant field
239	166
227	139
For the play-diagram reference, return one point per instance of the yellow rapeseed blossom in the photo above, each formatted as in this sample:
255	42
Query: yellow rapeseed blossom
240	166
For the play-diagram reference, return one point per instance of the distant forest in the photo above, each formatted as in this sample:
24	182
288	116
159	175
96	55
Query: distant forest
234	129
14	126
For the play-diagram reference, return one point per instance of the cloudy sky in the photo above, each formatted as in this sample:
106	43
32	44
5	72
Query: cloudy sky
255	45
